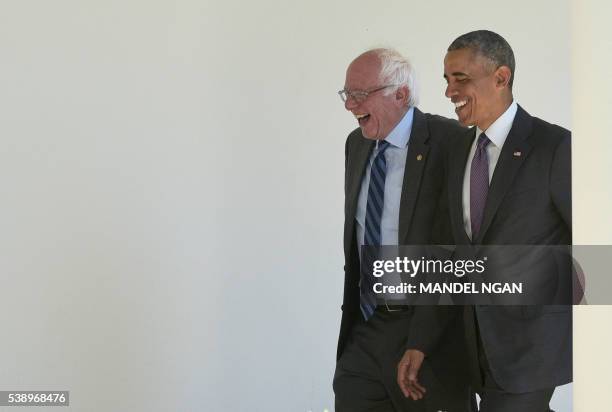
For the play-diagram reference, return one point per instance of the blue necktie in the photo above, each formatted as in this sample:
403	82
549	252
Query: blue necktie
372	236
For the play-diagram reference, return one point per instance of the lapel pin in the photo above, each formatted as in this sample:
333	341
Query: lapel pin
419	157
517	154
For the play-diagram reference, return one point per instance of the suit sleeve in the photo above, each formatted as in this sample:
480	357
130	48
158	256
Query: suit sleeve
430	323
442	231
346	151
561	180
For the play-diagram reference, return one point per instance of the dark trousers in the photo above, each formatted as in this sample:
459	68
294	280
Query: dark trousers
366	373
492	397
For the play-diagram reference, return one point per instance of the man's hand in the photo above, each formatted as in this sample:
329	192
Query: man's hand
407	373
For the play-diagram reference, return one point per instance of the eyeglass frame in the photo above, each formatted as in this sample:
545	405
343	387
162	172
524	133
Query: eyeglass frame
363	94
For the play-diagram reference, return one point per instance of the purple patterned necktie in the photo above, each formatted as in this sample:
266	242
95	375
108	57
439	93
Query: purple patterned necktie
479	183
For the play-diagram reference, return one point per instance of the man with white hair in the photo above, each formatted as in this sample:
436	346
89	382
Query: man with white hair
394	183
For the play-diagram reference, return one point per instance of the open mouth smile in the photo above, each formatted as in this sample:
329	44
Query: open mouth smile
459	105
362	119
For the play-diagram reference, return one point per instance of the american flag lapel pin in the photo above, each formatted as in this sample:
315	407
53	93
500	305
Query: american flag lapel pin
517	154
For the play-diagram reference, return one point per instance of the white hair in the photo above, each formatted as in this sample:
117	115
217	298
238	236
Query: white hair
398	71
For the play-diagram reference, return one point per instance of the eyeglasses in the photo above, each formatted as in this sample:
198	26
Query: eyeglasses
360	95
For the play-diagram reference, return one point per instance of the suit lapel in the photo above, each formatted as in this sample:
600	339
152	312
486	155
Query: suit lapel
355	168
456	174
413	172
513	154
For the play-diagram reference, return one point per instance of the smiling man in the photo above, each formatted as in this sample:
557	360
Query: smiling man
509	184
394	184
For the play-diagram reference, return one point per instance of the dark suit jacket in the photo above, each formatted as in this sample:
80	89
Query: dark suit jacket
529	203
423	220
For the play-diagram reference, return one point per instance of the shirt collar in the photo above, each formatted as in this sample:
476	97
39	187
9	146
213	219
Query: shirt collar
500	128
400	134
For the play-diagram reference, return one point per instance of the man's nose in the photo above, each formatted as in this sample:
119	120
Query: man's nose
350	103
450	91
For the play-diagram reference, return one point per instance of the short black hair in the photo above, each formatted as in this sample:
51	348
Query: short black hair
487	44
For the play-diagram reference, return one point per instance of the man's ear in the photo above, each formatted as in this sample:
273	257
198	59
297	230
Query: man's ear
502	76
402	94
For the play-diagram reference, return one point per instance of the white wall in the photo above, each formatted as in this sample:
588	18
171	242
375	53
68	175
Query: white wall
171	187
592	191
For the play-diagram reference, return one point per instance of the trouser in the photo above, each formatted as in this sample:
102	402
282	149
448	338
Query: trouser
366	373
492	397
